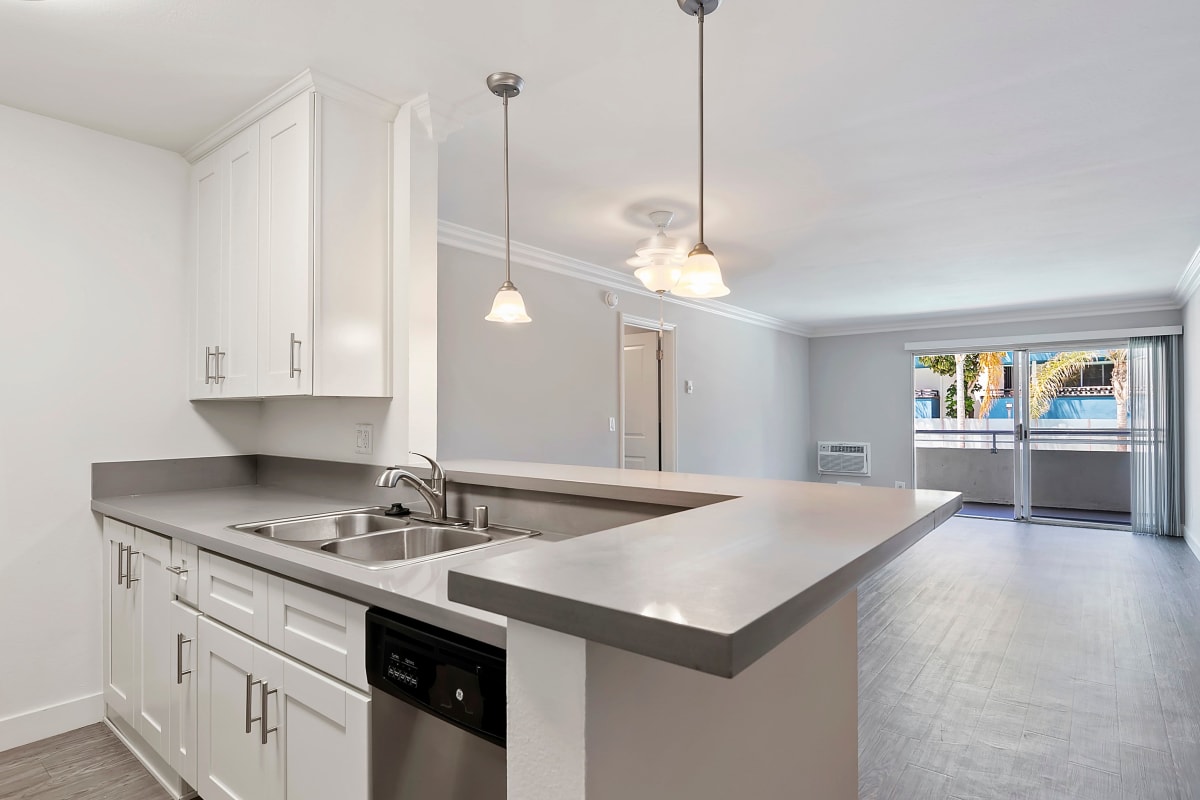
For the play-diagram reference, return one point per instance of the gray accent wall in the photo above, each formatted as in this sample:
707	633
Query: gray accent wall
862	384
545	391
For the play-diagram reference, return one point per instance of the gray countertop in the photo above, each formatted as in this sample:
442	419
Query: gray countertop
417	590
712	588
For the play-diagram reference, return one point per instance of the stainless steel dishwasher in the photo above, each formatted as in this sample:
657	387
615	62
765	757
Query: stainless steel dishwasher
438	712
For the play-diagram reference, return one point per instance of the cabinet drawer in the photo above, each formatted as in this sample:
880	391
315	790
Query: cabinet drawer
185	571
236	594
320	629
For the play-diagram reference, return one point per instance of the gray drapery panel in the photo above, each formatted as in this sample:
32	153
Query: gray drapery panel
1154	423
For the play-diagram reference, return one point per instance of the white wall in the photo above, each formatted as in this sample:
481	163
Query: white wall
545	391
92	235
1191	425
862	385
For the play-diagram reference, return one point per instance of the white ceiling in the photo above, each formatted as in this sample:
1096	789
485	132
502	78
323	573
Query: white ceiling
867	161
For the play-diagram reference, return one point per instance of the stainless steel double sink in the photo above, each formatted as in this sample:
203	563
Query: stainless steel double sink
370	538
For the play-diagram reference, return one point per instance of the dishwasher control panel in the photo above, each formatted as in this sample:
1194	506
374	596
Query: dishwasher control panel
450	676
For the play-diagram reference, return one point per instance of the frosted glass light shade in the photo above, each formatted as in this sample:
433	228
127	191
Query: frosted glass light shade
508	306
659	277
701	275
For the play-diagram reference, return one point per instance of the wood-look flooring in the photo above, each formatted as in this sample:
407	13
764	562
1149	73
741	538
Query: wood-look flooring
87	763
996	660
1002	660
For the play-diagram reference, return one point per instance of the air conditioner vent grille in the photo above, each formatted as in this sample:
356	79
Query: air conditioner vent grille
844	458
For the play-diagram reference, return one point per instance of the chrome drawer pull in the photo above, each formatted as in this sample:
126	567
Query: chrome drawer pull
250	684
129	554
180	641
262	699
293	350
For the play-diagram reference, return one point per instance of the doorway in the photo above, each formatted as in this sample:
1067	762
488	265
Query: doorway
646	429
1042	435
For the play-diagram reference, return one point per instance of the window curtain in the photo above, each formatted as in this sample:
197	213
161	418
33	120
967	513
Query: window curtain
1154	426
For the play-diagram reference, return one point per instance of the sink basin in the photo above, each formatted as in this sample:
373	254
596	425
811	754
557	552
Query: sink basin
368	538
406	544
322	529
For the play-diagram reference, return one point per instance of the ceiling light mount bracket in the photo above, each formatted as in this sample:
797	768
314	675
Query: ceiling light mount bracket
507	84
692	7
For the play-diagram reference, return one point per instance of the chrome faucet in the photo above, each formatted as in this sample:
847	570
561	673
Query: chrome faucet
433	493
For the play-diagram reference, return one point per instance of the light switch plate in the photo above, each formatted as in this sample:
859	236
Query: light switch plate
688	387
364	438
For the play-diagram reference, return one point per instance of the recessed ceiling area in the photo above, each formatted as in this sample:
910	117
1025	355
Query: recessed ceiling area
866	162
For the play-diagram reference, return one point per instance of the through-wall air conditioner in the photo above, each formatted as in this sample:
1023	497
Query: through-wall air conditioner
844	458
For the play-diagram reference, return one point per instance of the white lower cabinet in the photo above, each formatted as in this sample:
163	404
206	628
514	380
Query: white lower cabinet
120	624
270	728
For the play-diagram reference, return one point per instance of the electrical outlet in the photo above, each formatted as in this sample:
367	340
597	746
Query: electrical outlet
363	438
901	485
689	387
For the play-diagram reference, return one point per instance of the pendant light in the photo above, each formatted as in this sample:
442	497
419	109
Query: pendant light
659	259
701	275
508	306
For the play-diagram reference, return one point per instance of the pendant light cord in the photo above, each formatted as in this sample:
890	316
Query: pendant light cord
700	22
507	237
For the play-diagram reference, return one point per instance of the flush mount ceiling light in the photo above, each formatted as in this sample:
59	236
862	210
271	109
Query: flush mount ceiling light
701	276
660	258
508	306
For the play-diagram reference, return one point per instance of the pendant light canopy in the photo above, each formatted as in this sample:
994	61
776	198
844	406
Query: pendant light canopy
660	258
701	274
508	306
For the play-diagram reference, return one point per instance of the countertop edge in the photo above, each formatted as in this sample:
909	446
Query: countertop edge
716	653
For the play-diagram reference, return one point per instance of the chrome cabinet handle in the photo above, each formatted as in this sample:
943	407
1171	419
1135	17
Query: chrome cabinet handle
262	702
208	361
250	684
220	354
294	347
120	561
180	641
129	554
179	572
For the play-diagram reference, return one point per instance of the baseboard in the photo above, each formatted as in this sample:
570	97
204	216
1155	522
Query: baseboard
42	723
1193	541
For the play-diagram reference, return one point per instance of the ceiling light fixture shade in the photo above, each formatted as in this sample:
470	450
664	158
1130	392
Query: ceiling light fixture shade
701	275
508	306
660	258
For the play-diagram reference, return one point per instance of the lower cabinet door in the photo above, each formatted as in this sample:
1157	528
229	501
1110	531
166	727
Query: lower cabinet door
120	623
328	740
233	762
184	723
153	590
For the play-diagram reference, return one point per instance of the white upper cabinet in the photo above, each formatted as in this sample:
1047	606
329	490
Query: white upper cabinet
293	282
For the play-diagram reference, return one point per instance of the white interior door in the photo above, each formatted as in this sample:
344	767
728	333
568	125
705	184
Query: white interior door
641	410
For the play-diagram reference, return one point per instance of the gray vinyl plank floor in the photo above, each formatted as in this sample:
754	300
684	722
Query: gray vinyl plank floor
996	660
1006	660
87	763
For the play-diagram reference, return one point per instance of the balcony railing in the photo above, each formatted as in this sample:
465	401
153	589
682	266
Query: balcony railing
1087	439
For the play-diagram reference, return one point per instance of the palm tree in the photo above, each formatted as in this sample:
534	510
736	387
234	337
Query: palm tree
1120	384
991	368
1053	376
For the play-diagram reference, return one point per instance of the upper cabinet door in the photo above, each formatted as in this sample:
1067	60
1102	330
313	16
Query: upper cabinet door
285	301
207	210
237	360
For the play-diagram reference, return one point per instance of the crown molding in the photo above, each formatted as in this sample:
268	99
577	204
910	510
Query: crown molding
1189	281
463	238
1028	314
439	122
306	81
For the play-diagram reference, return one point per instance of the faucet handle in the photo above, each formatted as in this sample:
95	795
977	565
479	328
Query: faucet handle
438	473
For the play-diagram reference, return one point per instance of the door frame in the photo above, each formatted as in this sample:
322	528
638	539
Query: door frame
668	387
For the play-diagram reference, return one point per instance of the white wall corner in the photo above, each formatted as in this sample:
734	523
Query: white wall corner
1189	281
414	270
42	723
438	119
1193	541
